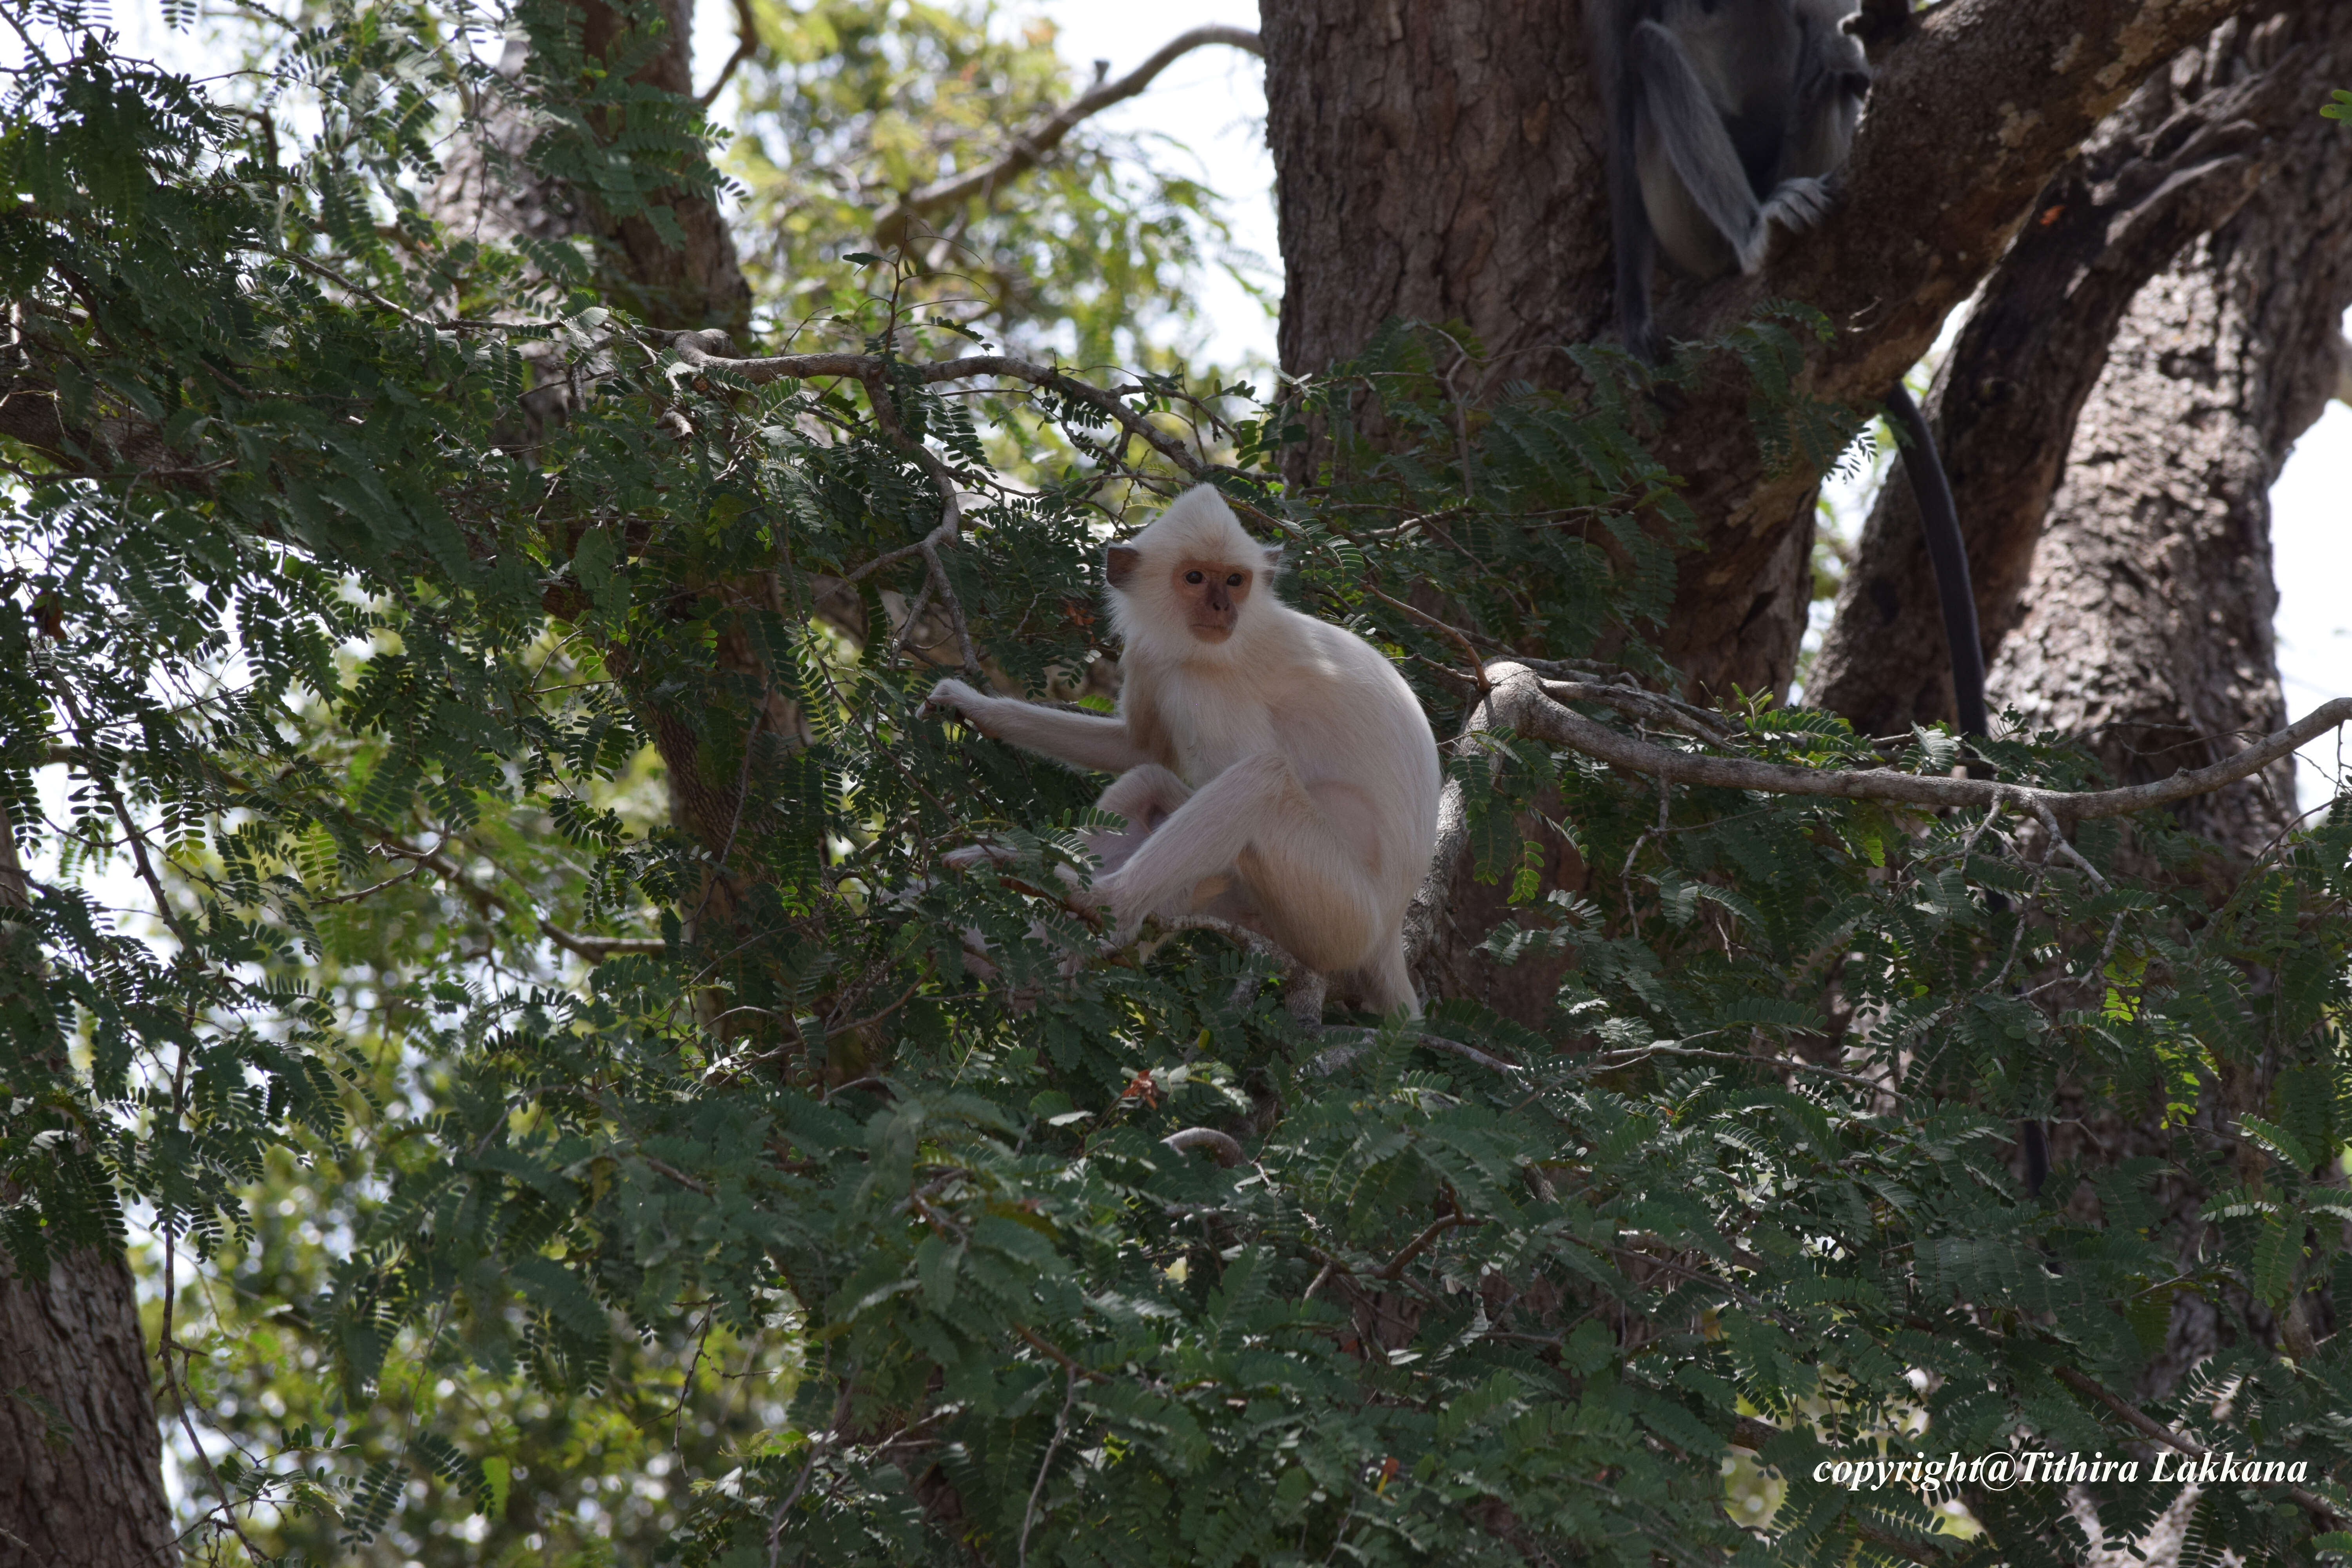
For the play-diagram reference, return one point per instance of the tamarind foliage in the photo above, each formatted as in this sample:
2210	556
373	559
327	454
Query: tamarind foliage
571	1111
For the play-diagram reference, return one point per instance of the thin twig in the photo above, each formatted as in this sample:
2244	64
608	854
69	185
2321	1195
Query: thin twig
1477	665
1613	1060
2149	1427
818	1442
709	350
180	1391
1640	704
1420	1243
594	948
1063	1358
1044	1466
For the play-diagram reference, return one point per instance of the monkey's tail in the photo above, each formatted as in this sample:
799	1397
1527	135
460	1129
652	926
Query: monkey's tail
1940	519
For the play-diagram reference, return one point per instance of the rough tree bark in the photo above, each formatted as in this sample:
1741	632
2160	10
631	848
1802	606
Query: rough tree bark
2145	623
1441	161
2232	118
81	1468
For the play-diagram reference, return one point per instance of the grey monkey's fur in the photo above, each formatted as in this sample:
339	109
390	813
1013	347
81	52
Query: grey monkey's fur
1724	118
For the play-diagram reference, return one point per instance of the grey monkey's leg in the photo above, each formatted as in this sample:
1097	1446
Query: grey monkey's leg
1674	111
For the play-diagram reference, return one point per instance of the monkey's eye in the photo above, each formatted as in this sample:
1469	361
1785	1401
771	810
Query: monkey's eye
1234	580
1191	576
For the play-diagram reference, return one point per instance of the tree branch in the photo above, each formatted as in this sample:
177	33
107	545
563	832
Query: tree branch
594	948
2149	1427
746	43
709	351
1227	1150
898	219
1520	702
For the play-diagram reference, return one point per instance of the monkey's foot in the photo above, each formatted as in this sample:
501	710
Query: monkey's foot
1073	890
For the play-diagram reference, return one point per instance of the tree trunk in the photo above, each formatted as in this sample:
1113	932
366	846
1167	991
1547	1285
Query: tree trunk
81	1478
2230	118
2145	625
1442	161
486	186
2114	414
81	1471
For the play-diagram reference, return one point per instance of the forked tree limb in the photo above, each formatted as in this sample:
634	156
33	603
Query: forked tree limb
1527	704
898	219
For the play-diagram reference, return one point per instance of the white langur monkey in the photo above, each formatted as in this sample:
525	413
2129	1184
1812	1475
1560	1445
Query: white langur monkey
1275	770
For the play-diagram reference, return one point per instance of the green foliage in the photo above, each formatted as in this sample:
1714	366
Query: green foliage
566	1180
2339	107
854	103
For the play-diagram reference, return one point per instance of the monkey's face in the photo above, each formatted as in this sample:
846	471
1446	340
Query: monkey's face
1212	593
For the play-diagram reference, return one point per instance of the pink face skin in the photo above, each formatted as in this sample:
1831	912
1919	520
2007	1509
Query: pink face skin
1212	593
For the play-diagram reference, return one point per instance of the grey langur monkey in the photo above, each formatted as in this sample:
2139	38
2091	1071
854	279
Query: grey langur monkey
1275	771
1724	118
1727	117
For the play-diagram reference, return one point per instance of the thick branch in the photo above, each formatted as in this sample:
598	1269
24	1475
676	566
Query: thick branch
1222	1146
1524	702
1028	149
747	43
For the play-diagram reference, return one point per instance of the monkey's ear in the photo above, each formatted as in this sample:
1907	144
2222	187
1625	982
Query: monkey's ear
1272	553
1122	561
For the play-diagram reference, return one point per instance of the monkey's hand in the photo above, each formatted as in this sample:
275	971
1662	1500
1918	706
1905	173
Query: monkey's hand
955	697
1797	205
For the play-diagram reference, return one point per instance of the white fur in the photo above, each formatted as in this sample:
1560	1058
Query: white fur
1285	779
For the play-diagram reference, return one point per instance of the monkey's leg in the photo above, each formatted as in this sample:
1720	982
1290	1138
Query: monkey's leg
1675	113
1634	242
1318	900
1147	796
1387	980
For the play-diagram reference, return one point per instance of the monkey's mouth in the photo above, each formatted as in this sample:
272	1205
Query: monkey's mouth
1210	631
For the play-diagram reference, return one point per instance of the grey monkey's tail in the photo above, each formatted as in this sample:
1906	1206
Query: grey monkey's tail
1940	519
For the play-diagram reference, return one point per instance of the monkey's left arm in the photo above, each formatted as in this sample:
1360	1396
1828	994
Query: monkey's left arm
1094	740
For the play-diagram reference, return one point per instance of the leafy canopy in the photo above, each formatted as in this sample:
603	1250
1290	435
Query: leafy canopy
539	1171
